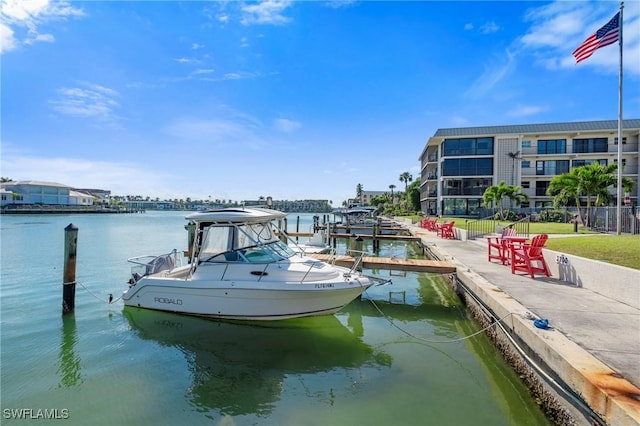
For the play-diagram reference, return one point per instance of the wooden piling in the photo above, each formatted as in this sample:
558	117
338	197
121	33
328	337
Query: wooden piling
69	271
376	241
358	250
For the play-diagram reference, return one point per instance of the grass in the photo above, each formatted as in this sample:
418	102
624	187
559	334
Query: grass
622	250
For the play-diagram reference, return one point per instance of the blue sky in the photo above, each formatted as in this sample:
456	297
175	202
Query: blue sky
294	100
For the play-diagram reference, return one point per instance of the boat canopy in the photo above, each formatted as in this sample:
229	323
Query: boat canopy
236	215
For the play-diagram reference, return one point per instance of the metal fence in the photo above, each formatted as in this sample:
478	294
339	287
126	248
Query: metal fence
602	219
489	225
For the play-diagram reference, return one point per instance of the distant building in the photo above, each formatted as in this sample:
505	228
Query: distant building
45	193
100	196
459	164
366	196
308	206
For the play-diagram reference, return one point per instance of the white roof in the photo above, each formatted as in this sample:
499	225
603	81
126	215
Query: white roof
237	215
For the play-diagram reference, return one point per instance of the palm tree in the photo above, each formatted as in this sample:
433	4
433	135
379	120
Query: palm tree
494	194
516	196
406	178
359	192
592	180
514	156
392	187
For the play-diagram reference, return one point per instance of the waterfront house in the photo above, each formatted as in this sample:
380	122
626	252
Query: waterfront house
33	192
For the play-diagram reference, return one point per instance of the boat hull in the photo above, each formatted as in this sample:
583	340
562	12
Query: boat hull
244	300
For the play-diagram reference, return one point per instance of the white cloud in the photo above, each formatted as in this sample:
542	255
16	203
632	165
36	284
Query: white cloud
217	131
7	40
492	75
48	38
265	12
556	29
203	71
527	110
122	178
22	19
337	4
90	100
286	126
489	27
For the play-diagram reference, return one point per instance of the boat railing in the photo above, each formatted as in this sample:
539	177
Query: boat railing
150	264
358	255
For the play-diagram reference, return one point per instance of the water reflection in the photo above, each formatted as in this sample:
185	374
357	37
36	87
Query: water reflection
69	367
239	368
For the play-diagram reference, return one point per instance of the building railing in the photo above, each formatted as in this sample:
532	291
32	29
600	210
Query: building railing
481	227
489	225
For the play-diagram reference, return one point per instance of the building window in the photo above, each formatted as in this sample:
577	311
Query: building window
525	164
624	140
552	167
589	145
624	161
461	206
467	146
552	146
526	144
579	163
525	184
465	186
467	167
541	188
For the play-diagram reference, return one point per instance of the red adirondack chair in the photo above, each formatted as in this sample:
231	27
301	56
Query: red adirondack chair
528	257
497	246
446	230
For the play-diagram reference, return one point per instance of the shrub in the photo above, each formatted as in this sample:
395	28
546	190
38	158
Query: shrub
558	216
508	216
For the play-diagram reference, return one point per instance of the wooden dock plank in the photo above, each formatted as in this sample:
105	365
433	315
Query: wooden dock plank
396	264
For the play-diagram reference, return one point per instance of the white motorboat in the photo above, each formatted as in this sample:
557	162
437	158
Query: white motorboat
240	269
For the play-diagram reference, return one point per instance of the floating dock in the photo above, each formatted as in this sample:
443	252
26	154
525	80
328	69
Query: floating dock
391	263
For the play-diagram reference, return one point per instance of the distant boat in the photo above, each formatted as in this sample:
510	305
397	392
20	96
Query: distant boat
317	243
240	269
357	214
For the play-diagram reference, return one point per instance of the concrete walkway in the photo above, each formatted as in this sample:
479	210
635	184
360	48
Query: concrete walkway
593	343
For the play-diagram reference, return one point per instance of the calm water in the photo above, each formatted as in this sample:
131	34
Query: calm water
106	364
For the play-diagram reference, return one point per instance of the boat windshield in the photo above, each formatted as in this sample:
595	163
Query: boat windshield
255	243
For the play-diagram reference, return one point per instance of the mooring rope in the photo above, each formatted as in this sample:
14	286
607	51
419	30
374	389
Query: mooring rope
110	301
437	341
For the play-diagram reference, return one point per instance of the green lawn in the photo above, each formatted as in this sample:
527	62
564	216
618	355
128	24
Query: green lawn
623	250
534	227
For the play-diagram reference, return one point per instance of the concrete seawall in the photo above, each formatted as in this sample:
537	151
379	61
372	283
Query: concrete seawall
617	282
589	359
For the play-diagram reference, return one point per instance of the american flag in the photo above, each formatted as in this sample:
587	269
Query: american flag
603	37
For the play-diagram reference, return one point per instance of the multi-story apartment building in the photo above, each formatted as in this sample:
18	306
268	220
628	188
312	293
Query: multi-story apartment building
366	196
458	164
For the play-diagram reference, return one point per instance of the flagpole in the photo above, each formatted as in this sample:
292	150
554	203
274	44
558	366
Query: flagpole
619	195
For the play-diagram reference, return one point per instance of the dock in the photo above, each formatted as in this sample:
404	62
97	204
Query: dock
411	238
390	263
